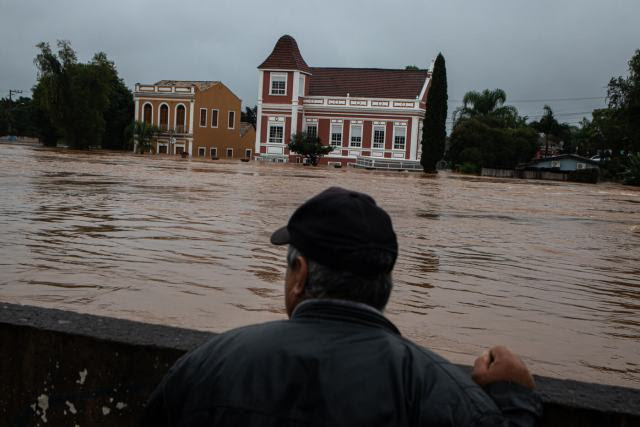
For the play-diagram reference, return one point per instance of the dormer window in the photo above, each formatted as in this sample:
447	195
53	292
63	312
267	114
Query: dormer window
278	84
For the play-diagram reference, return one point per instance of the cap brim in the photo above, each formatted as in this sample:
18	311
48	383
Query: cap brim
280	236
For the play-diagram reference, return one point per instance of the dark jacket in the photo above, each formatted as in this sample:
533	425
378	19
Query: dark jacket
335	363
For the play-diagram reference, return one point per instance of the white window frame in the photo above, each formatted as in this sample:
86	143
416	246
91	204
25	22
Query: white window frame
277	77
301	82
312	125
356	144
205	118
331	133
233	124
396	134
204	151
274	125
373	136
227	153
248	150
213	150
217	117
555	163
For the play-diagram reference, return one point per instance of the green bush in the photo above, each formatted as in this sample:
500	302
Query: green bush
631	175
468	168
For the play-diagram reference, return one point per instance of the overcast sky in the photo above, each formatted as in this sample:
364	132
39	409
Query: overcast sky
535	50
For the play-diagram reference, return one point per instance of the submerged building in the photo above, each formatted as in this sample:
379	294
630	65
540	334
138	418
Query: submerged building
201	118
362	112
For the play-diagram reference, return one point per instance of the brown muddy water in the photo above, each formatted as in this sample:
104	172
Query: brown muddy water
550	269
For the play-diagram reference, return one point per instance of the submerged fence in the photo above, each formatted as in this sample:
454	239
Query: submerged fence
64	368
584	175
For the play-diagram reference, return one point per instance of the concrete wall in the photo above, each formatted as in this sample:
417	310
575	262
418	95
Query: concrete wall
64	368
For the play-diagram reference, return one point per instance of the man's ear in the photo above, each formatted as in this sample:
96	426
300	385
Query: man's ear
300	272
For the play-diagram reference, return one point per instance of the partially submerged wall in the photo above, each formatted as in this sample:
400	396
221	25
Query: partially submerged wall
64	368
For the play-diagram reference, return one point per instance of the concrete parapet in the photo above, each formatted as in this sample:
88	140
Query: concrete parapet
64	368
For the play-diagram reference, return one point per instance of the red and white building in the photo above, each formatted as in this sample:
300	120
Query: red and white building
362	112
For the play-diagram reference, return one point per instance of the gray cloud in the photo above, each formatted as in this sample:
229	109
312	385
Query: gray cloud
532	49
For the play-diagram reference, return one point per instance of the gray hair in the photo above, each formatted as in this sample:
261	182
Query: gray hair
326	282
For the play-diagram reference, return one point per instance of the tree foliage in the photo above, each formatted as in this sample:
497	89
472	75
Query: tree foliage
487	133
16	117
86	103
476	143
488	107
553	130
434	132
308	146
249	115
142	135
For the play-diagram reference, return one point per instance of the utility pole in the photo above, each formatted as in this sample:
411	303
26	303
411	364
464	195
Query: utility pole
10	116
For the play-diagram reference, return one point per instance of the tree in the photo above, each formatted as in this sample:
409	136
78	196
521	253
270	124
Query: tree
478	145
623	96
86	103
488	106
308	146
411	67
487	133
119	113
434	132
142	135
549	126
249	115
631	175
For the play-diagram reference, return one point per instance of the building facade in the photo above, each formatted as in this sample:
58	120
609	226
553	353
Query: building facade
200	118
361	112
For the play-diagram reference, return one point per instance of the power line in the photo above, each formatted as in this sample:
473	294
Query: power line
542	115
510	101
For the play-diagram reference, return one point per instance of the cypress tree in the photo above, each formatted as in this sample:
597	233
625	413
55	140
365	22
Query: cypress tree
434	131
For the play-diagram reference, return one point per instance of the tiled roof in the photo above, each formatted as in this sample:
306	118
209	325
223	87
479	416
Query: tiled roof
286	56
367	82
200	84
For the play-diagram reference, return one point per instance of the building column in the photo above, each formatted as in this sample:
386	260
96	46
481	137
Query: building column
191	114
414	139
190	147
136	115
294	102
259	114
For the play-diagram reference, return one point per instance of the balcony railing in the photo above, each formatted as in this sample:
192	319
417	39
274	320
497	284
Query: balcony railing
178	129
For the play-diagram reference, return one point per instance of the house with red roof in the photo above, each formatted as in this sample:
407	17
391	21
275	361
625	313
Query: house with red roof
362	112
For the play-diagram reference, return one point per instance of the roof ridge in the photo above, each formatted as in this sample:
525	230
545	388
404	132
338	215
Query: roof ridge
371	68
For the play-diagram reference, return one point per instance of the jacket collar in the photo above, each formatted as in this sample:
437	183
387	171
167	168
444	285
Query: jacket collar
343	310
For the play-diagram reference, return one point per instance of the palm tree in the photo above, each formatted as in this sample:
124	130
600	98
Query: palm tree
142	135
548	125
487	105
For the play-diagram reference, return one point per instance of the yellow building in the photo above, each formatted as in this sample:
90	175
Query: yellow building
201	118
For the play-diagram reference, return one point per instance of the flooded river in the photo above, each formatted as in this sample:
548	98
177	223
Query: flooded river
550	269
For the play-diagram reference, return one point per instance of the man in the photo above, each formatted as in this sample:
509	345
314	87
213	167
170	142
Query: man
338	361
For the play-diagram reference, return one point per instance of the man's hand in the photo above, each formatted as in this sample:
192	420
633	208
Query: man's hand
499	364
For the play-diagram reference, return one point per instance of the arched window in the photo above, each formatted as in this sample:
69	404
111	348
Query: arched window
164	116
147	113
180	119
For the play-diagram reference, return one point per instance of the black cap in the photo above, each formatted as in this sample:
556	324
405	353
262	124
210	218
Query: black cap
342	229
